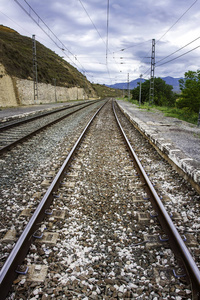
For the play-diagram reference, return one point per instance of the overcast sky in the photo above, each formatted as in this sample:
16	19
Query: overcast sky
107	44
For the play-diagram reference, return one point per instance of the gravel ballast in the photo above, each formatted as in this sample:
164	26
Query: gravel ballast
25	167
104	250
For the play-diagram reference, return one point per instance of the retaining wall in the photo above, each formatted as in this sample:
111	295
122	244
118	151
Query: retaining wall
7	91
47	93
15	92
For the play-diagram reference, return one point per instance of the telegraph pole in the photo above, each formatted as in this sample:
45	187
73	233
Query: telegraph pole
35	79
140	89
128	87
54	79
151	91
198	123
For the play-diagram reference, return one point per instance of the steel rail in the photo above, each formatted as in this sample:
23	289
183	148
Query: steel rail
18	122
17	255
178	246
12	144
32	118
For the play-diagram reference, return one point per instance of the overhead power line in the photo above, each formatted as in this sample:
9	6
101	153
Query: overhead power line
135	45
177	20
178	50
108	6
15	22
178	56
106	43
54	39
91	21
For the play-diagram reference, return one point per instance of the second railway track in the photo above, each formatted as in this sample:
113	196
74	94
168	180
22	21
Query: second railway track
14	132
100	241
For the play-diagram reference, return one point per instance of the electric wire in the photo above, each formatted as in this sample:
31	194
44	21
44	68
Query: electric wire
108	6
91	21
96	27
107	32
178	49
105	43
177	21
166	33
21	26
39	18
135	45
14	22
61	46
178	56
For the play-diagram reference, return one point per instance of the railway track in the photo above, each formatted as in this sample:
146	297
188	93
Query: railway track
97	238
16	131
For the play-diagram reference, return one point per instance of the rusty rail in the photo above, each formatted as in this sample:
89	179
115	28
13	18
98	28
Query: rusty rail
17	255
12	144
32	118
176	242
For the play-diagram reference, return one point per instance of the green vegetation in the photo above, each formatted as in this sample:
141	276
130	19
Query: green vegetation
16	55
104	91
163	94
181	114
184	106
190	92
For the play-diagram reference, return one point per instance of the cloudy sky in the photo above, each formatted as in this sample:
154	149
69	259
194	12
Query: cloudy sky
109	39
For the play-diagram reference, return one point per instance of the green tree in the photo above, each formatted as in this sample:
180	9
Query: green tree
190	91
163	94
144	92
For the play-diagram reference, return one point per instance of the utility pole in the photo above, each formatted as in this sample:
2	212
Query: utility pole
140	89
128	87
151	91
198	123
54	79
35	79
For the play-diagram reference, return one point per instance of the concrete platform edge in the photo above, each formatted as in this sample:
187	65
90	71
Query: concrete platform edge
178	159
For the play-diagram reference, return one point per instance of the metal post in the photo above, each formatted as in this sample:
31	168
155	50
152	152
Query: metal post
128	87
151	91
198	123
140	89
55	89
35	79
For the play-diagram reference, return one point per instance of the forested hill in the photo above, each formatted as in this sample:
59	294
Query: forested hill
16	55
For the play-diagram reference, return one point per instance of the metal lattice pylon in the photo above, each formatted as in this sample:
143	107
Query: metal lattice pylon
151	91
35	79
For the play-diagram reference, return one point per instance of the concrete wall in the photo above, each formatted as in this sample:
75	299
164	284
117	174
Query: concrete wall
47	93
15	91
7	91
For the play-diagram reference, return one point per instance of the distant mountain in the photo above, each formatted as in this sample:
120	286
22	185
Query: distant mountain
173	81
123	85
134	83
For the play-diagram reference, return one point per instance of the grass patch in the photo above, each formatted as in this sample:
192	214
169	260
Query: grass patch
184	114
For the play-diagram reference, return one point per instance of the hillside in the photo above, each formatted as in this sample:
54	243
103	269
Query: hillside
17	57
103	90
